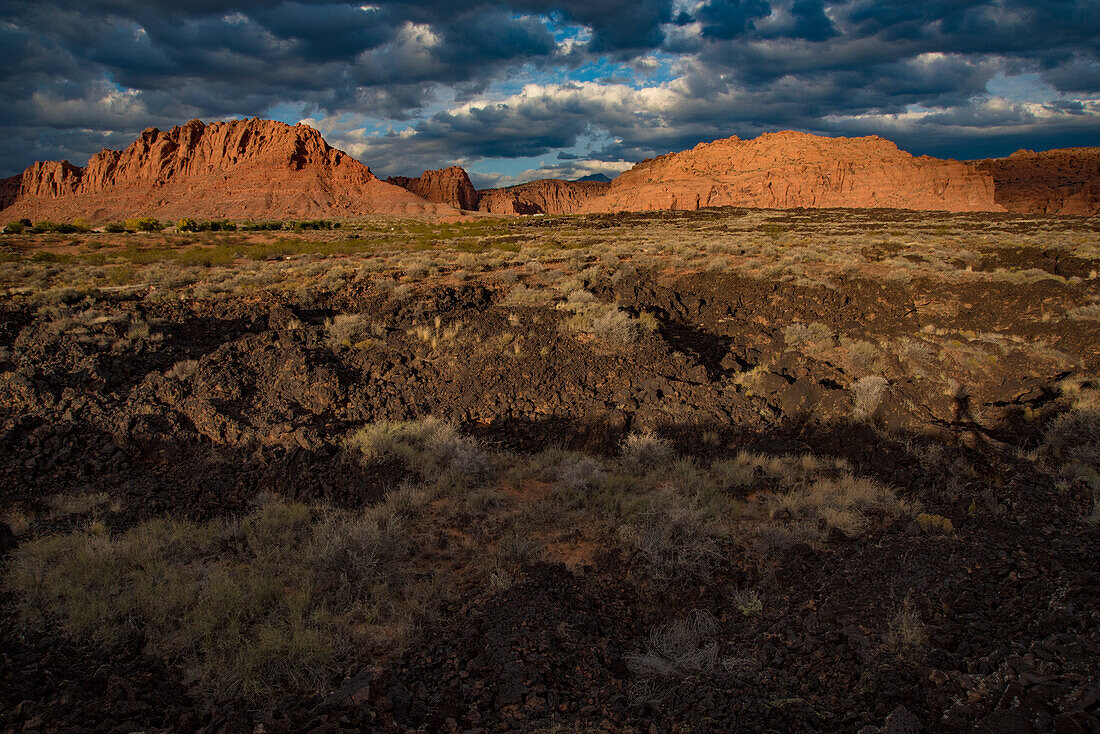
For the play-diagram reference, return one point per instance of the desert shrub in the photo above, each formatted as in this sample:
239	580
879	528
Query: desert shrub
183	370
1074	438
14	227
867	395
245	607
143	224
906	635
747	601
686	647
55	227
605	321
314	224
347	329
115	227
521	295
1071	446
428	446
1091	312
205	257
262	226
644	452
216	225
187	224
674	543
579	474
616	326
933	524
811	338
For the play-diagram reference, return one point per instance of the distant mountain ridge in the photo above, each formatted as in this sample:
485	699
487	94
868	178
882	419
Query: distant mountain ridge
598	177
264	169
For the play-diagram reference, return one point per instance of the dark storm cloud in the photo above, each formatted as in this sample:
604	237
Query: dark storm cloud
80	74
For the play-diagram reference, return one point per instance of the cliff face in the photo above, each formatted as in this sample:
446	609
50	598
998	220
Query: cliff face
245	168
1064	181
446	186
789	169
545	196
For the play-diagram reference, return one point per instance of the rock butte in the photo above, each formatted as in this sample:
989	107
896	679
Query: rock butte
245	168
1065	181
545	196
263	169
446	186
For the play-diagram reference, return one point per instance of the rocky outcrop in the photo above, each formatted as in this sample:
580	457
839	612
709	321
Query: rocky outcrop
448	185
9	190
1063	181
791	169
545	196
240	169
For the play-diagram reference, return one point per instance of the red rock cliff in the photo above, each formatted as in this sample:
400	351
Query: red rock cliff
1063	181
545	196
790	169
244	168
449	185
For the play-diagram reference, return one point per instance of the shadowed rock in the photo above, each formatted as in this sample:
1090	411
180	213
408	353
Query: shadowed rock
1063	181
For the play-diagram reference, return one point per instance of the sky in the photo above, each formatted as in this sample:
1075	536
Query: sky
526	89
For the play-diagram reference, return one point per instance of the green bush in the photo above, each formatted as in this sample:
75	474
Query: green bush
14	228
187	224
143	224
58	227
314	224
115	227
217	226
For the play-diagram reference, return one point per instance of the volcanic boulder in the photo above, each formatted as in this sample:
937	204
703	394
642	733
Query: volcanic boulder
544	196
448	185
792	169
1063	181
240	169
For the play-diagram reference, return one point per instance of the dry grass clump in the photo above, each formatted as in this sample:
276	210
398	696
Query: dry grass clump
867	395
686	647
348	330
907	636
606	321
183	370
429	446
245	607
844	504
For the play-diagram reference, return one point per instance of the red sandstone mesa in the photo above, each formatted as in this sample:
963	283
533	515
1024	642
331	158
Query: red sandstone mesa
1064	181
791	169
239	169
264	169
448	185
